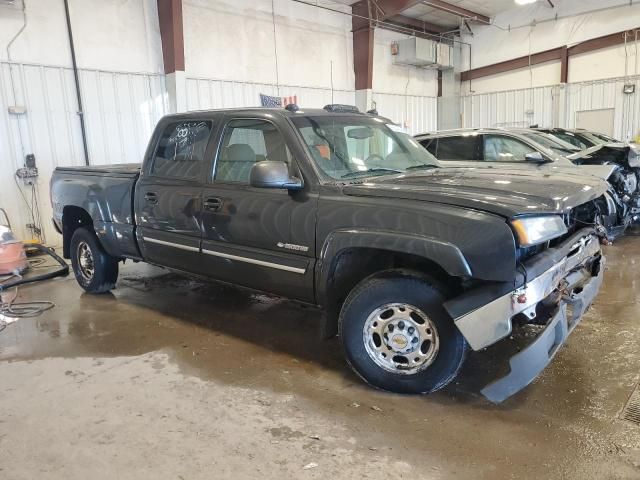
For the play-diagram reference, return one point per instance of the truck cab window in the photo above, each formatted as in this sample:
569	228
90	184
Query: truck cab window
181	150
500	148
245	143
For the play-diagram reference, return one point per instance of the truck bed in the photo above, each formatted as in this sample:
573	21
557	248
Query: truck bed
105	193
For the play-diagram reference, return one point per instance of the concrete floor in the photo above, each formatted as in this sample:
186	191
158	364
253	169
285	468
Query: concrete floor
171	378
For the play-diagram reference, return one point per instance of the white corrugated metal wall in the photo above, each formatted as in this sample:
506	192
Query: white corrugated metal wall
204	93
510	108
602	94
121	110
555	105
417	113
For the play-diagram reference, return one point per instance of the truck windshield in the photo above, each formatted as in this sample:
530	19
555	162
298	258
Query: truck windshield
360	146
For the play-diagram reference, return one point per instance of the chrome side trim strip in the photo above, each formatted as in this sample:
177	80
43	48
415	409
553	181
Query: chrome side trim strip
255	262
169	244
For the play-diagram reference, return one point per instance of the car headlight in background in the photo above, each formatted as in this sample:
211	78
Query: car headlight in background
534	230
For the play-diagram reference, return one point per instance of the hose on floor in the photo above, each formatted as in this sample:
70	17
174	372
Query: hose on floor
9	308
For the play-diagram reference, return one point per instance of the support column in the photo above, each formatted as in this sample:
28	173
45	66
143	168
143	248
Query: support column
564	64
362	54
363	66
171	33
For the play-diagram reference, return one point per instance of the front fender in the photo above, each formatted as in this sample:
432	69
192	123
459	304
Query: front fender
446	255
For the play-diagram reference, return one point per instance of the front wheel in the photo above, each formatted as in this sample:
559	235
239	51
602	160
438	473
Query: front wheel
397	336
95	270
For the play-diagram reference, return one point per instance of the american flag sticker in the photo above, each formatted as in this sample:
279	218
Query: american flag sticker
269	101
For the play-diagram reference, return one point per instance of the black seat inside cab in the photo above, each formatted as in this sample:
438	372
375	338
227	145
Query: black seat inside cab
236	162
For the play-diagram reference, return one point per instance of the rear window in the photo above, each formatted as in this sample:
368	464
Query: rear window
457	148
181	150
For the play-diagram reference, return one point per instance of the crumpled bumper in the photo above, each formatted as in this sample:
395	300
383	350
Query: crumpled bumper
569	275
527	364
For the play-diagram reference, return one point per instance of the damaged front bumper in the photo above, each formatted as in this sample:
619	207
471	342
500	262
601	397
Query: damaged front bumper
566	278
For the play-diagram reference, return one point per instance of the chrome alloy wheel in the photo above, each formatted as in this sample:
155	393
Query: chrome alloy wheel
400	338
85	261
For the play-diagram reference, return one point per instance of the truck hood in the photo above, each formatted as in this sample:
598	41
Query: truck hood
559	165
505	193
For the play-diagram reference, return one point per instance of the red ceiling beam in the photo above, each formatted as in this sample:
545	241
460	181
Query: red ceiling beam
456	10
415	24
561	53
381	10
601	42
171	34
513	64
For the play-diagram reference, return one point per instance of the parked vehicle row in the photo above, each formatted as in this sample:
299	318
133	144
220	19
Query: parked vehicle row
411	263
543	151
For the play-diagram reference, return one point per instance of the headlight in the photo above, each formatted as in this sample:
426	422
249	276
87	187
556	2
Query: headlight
534	230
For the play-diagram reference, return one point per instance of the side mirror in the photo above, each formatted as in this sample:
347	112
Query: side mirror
535	157
270	174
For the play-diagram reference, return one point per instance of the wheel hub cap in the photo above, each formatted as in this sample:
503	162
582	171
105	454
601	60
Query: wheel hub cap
85	261
400	338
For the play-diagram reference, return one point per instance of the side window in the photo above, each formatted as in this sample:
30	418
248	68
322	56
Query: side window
246	142
431	145
457	148
572	139
500	148
180	153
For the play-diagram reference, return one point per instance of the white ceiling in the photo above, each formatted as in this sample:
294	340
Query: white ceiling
440	17
429	14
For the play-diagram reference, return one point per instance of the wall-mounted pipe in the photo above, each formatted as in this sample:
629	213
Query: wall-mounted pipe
12	80
77	83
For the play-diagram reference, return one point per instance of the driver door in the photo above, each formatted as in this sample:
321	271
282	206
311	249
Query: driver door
247	234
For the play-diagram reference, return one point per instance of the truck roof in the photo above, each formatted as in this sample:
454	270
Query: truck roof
283	112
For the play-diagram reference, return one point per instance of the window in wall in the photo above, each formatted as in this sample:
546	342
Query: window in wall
181	150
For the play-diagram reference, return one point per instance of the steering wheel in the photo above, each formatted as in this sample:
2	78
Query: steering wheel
374	160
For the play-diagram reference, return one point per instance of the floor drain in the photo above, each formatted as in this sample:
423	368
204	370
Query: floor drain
631	410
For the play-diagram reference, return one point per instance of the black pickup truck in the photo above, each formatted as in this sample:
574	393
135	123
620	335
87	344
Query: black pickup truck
412	264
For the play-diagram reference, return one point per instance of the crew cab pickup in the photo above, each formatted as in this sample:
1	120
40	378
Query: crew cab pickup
411	263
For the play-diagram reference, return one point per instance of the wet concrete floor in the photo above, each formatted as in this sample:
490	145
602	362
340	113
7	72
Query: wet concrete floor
173	378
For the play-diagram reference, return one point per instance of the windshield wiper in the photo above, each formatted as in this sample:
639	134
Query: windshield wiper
426	166
371	170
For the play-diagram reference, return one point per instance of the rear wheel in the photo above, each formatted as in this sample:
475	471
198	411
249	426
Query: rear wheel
397	335
95	270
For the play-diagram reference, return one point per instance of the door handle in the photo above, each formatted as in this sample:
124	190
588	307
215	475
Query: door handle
151	197
212	204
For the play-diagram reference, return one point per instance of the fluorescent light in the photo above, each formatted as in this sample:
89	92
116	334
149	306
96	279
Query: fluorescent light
525	2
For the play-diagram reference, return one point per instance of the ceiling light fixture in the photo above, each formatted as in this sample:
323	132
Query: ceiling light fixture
525	2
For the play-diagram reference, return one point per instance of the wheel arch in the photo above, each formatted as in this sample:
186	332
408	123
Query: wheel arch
348	257
73	217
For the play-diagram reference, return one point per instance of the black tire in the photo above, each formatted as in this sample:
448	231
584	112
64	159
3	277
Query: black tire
401	288
104	266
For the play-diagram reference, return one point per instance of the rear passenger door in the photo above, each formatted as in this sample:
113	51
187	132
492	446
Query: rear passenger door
456	150
168	198
247	231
